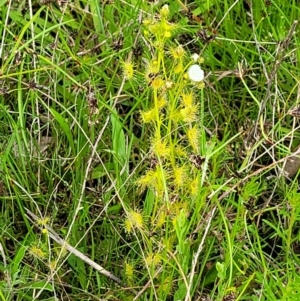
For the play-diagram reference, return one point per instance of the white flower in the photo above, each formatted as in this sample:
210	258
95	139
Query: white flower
195	57
195	73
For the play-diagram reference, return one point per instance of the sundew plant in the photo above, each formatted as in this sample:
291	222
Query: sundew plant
172	182
175	186
149	150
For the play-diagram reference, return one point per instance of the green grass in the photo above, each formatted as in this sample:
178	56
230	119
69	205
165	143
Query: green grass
77	151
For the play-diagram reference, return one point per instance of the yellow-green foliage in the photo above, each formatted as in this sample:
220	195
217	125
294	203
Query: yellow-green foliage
173	117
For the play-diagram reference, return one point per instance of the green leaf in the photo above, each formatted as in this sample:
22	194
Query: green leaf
42	285
78	265
221	270
65	127
17	260
119	143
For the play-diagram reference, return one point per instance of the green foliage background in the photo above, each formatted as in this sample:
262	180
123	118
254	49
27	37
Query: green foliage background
74	146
